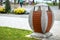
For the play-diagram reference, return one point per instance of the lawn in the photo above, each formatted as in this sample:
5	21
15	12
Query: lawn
7	33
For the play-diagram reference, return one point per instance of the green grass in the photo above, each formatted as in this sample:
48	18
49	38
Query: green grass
14	34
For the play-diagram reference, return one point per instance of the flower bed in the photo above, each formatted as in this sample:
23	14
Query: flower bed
19	11
2	9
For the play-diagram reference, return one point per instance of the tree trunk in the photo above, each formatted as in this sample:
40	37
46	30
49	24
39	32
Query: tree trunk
55	2
59	4
33	1
1	2
18	1
14	3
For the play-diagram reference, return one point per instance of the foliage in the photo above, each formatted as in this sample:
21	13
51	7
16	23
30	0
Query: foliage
2	9
7	6
19	11
14	34
52	4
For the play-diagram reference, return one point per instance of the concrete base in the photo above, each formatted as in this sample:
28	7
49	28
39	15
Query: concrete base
40	35
47	36
52	38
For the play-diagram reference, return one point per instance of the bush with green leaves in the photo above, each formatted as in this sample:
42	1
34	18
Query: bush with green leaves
7	6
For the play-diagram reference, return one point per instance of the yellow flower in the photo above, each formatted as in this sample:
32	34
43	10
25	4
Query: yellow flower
2	9
19	10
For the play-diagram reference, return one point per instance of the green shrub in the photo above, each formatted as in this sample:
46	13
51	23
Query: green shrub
52	4
7	6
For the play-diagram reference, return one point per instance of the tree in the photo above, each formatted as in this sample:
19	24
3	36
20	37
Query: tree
7	6
55	2
1	2
33	1
18	1
14	1
59	4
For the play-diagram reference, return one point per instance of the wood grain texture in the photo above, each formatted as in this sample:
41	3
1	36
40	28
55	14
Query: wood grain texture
37	21
49	13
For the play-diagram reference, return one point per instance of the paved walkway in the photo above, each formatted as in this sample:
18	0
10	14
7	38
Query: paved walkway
56	12
21	21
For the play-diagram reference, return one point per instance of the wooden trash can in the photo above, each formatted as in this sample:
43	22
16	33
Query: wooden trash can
41	21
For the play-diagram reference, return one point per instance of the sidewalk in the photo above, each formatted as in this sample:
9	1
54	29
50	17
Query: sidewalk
21	22
56	12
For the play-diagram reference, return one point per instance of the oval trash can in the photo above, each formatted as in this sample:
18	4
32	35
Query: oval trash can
41	21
